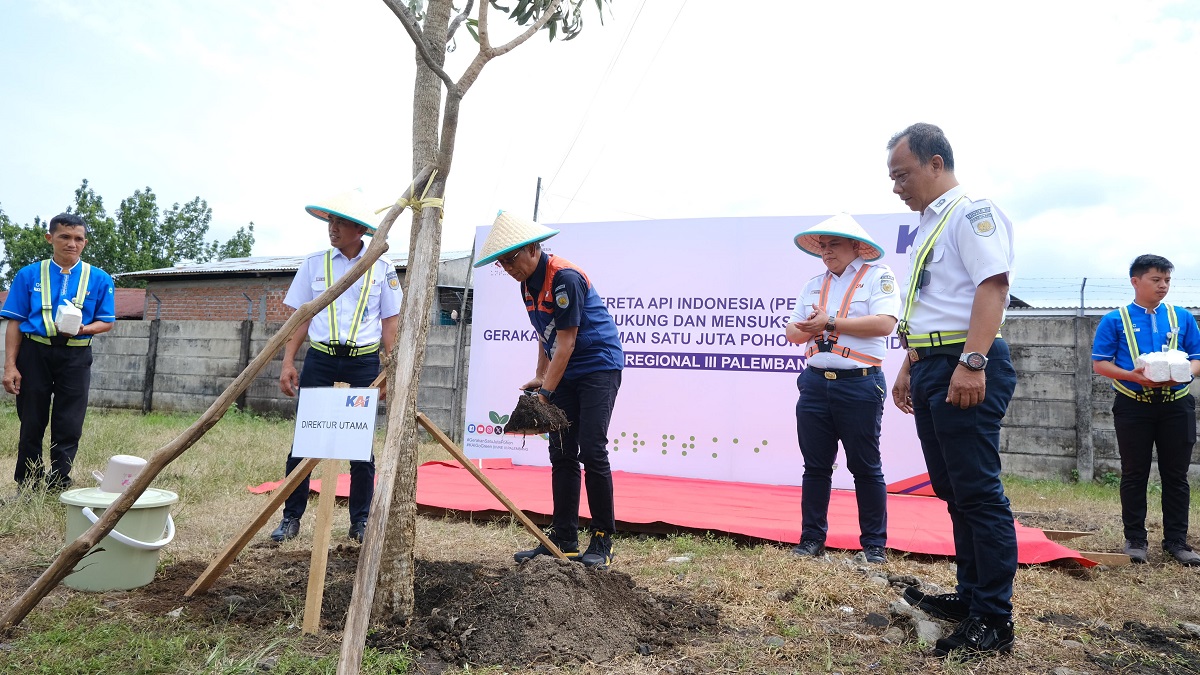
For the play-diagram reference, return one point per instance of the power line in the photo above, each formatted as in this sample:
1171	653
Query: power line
588	111
646	71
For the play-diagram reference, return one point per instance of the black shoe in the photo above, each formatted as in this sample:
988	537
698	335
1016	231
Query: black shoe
977	637
357	530
947	606
288	528
599	551
809	549
569	548
875	555
1182	553
1136	550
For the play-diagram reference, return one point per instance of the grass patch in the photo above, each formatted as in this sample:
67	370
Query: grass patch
777	613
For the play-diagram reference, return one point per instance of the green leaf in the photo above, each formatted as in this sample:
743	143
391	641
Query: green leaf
504	419
495	417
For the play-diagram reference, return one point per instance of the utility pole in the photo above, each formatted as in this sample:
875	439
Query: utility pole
537	198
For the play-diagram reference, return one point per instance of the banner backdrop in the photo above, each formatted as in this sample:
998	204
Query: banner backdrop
709	386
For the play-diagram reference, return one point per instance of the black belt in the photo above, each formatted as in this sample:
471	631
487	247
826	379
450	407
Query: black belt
831	374
919	353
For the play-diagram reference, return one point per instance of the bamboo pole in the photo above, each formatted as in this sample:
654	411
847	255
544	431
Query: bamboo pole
73	552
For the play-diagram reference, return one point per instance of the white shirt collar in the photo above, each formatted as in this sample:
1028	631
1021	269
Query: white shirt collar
942	203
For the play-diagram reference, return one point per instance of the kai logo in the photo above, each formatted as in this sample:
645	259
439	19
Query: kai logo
358	401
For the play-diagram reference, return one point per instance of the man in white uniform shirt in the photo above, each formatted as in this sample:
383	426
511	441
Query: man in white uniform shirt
345	339
958	381
844	315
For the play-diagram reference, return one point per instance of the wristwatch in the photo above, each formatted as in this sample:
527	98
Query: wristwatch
546	393
973	361
831	324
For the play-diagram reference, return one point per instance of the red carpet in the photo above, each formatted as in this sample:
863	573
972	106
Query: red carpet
915	524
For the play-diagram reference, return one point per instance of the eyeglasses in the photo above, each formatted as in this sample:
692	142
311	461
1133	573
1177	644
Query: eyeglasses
509	260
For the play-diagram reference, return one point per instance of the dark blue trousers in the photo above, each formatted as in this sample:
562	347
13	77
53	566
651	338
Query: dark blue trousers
849	410
58	374
588	403
962	453
322	370
1142	428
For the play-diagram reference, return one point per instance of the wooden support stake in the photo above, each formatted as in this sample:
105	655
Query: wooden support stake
320	547
1108	559
218	566
467	464
1065	535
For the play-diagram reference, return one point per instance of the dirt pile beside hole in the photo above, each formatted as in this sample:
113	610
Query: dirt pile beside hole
545	611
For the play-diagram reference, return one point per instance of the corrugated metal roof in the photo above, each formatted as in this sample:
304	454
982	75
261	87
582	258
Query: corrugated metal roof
258	264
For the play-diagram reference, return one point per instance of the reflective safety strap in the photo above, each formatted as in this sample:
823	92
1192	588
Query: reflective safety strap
85	274
354	351
360	308
47	302
846	352
1134	353
919	261
72	342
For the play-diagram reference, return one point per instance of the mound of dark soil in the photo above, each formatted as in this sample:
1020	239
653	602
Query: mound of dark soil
543	611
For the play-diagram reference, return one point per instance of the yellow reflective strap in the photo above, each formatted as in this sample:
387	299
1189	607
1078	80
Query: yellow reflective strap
1173	320
360	309
47	301
85	274
333	320
919	265
1130	339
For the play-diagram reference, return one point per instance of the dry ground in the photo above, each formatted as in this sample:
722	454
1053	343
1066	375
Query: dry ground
730	607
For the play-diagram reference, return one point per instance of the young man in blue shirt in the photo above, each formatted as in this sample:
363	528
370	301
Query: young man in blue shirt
1151	415
47	359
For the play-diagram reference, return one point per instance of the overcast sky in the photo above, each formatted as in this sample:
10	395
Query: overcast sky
1076	118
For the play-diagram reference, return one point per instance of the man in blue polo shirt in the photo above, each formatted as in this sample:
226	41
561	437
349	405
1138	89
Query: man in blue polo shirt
1151	415
578	369
48	357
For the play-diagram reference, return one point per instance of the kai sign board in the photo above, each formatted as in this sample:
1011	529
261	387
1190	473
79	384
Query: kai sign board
335	423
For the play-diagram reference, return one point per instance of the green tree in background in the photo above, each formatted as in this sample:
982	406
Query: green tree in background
141	237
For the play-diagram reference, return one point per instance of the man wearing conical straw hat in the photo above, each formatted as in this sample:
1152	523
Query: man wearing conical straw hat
578	369
844	316
344	340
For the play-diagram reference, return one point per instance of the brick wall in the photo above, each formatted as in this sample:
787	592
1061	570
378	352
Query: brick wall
219	299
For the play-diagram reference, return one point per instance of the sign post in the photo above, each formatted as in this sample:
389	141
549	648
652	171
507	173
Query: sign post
332	423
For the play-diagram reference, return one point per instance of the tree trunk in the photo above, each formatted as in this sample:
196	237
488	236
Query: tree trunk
394	597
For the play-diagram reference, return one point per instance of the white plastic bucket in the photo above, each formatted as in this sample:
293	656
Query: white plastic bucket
128	556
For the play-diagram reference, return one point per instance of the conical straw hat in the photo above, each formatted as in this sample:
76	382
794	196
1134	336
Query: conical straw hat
351	205
841	225
510	233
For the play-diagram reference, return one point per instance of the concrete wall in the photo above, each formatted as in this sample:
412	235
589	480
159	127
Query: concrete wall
193	362
1060	420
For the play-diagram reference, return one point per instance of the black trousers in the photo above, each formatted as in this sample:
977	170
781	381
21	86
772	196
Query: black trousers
54	391
588	402
1142	428
322	370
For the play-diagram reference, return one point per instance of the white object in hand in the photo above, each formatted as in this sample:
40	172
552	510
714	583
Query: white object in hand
70	319
1167	365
